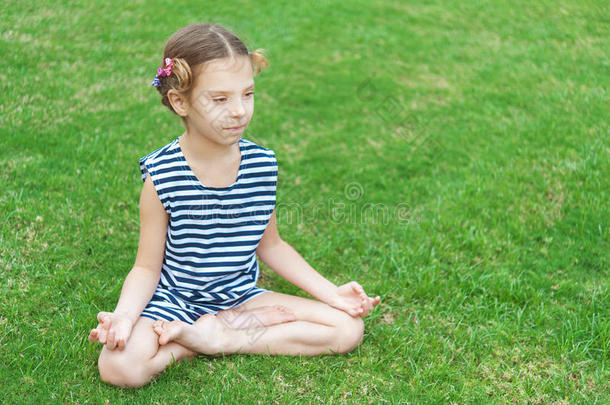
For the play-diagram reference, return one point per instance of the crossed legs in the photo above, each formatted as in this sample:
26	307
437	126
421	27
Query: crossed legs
271	323
316	329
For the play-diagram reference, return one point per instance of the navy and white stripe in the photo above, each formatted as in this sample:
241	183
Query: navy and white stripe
210	262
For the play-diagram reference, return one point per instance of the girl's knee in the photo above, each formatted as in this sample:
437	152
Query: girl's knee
351	332
122	370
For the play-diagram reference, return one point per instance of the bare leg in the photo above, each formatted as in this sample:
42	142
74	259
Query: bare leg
141	359
236	318
240	318
319	329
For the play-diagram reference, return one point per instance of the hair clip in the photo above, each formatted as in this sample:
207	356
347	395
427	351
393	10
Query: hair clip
163	72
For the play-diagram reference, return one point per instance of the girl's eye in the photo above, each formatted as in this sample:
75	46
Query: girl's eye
220	100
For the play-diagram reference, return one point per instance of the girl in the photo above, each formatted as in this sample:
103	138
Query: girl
206	212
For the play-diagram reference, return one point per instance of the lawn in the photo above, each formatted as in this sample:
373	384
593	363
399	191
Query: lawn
452	157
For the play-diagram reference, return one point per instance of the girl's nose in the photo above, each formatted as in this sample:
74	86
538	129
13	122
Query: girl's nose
237	109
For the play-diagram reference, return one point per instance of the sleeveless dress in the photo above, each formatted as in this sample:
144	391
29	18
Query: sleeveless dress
210	262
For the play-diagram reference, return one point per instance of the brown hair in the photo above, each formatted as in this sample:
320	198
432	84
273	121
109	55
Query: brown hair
196	44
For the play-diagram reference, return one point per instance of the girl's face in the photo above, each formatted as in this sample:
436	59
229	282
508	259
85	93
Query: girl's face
222	99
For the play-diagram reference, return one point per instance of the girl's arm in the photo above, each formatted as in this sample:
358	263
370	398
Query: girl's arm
288	263
143	278
138	289
114	328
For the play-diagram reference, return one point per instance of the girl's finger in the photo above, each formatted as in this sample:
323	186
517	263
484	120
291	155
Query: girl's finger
93	335
102	335
361	309
110	342
365	308
101	316
107	323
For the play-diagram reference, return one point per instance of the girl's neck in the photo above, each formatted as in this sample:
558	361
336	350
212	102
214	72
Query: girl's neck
203	150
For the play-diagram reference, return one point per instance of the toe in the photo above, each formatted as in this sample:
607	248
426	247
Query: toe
158	327
169	331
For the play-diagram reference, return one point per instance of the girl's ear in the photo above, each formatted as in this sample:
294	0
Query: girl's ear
178	102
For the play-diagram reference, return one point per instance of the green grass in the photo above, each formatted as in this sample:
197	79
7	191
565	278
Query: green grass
452	157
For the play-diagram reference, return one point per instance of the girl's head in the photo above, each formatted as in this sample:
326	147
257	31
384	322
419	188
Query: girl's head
211	81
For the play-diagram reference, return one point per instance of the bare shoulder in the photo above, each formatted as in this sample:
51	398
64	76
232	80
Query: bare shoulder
150	203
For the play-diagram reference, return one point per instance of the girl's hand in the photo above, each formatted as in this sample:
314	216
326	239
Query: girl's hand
352	299
113	330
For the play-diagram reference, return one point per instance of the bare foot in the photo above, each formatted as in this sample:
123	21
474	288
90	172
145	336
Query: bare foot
256	317
167	331
205	336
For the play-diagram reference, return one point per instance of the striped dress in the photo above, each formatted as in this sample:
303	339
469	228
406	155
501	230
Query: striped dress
210	262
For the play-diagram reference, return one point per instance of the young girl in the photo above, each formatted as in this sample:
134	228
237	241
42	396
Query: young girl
206	212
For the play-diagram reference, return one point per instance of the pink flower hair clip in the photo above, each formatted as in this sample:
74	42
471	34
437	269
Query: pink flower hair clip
163	72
